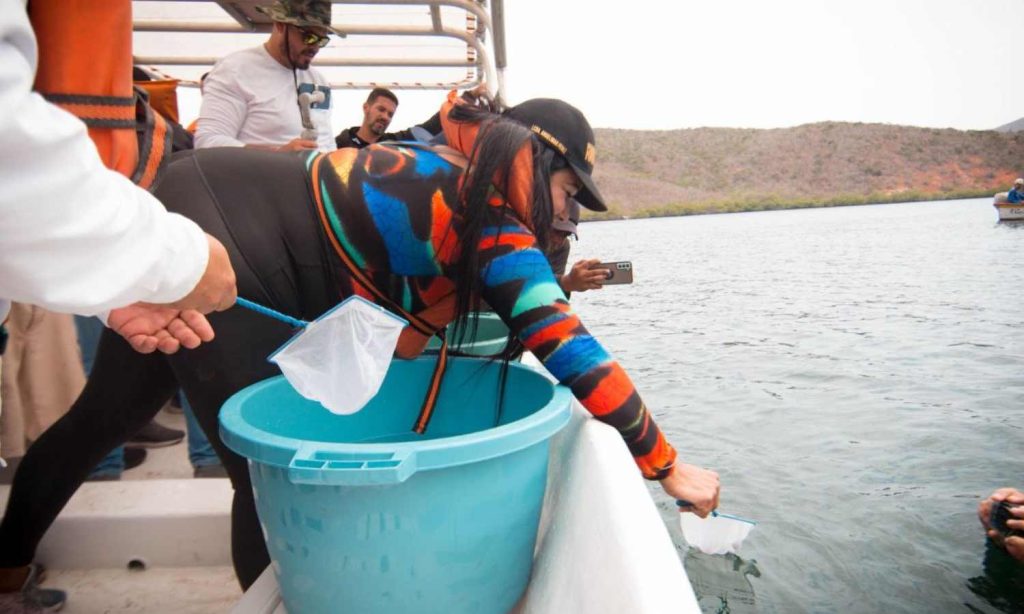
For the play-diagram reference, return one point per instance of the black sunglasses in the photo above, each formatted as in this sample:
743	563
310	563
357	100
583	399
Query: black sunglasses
312	38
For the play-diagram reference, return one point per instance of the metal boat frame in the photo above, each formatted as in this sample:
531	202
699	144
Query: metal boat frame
477	23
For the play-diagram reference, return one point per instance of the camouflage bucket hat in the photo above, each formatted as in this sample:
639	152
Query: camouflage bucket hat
302	13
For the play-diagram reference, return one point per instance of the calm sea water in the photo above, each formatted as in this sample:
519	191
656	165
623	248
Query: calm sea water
856	376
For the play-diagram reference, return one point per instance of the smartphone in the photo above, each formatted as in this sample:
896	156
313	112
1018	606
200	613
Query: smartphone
618	272
999	515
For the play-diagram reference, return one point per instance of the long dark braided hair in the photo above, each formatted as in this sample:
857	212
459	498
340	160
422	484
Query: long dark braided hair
498	141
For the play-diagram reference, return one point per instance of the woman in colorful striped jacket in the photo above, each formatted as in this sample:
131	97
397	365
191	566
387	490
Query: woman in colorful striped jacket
433	230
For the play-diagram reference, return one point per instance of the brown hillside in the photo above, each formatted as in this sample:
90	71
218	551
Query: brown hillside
702	170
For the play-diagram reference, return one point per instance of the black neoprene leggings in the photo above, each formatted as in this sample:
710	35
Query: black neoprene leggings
258	204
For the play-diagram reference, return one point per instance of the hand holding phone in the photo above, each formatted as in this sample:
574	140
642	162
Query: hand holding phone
1002	515
1001	512
617	272
584	275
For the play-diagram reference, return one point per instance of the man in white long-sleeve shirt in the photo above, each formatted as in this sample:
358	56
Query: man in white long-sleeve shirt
77	237
251	97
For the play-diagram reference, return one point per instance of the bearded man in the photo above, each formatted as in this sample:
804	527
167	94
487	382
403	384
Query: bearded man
378	111
251	97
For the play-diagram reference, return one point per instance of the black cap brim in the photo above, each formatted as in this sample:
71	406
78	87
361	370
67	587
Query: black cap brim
588	196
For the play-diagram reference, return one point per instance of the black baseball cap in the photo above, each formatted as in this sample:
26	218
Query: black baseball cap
562	127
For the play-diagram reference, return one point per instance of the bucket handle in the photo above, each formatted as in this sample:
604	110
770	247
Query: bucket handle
321	467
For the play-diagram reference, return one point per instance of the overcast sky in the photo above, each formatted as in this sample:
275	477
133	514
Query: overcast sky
756	63
775	63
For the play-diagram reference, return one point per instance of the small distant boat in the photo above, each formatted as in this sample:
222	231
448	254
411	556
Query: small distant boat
1007	210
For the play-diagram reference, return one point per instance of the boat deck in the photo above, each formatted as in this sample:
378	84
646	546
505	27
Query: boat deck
108	585
182	590
158	541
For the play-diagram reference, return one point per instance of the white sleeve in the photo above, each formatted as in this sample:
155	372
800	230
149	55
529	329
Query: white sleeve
75	236
222	111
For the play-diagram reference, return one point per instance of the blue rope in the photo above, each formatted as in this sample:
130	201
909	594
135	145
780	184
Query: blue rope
267	311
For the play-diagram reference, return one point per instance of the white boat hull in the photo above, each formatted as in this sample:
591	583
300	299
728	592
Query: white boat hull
1010	212
1007	211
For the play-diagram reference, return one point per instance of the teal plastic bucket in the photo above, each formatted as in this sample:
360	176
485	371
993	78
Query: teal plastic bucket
360	514
490	338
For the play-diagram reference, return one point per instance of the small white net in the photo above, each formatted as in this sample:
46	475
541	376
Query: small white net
340	359
716	534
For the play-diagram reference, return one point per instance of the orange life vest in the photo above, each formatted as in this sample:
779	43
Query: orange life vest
85	67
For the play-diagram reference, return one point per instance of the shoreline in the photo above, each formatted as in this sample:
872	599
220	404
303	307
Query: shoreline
773	204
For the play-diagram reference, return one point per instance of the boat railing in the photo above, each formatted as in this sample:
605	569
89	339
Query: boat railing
400	44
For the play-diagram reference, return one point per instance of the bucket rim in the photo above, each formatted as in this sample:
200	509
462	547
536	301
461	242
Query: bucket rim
473	345
397	461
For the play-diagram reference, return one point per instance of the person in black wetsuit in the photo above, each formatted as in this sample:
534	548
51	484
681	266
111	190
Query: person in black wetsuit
423	230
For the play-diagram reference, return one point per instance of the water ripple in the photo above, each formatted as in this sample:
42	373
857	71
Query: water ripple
854	374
